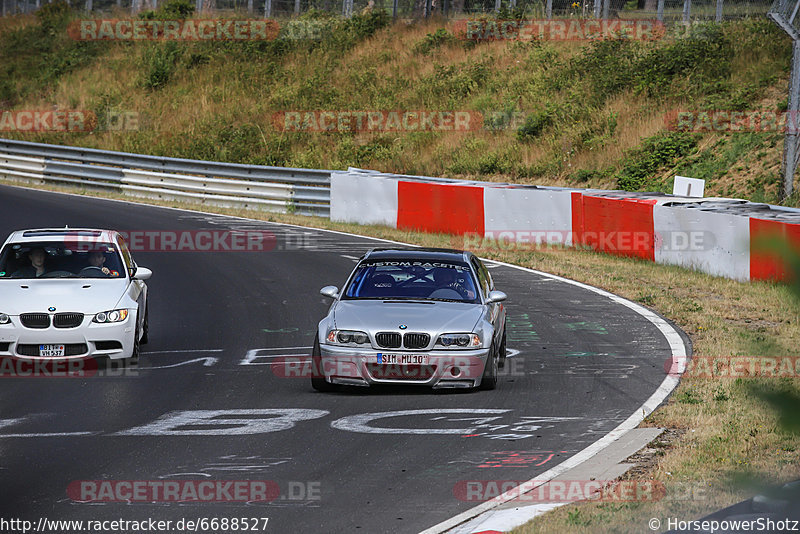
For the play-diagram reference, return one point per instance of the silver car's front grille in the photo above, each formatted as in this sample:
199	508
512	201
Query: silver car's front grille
35	320
416	341
388	340
67	320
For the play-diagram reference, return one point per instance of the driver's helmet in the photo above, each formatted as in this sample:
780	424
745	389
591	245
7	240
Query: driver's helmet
445	276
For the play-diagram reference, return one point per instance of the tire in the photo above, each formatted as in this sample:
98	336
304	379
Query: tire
489	380
146	325
133	359
502	361
318	382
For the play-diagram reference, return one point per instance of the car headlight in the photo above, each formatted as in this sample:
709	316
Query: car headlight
459	341
4	318
112	316
347	337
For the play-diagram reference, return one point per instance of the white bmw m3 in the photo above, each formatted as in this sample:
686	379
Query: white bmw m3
71	293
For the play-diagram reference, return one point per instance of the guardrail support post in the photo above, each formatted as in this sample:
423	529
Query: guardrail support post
549	13
660	15
718	17
267	8
790	148
687	11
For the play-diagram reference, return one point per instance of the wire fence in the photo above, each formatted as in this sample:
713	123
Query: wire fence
663	10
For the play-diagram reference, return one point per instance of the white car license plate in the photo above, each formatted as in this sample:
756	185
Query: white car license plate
403	359
51	350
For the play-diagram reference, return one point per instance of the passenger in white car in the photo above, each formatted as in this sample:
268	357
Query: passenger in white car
37	257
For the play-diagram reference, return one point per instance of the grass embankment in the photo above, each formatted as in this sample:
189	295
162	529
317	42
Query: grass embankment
563	113
729	438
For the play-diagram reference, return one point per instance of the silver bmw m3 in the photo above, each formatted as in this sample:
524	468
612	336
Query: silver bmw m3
429	317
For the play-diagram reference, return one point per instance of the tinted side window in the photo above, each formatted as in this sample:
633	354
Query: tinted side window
126	255
487	274
483	279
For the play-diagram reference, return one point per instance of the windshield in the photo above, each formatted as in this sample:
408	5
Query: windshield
413	279
60	260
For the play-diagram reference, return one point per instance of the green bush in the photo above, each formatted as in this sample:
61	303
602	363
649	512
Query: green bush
36	55
176	9
159	61
535	124
703	55
54	17
655	153
435	40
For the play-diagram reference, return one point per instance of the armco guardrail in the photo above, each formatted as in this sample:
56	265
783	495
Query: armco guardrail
304	191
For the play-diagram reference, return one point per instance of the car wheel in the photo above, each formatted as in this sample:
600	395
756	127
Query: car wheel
502	361
133	359
489	380
146	325
318	382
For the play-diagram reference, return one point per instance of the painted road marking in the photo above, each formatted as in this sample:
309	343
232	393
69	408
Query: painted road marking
223	422
261	421
207	362
186	350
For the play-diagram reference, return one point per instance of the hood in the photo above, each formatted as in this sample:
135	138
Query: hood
84	295
432	316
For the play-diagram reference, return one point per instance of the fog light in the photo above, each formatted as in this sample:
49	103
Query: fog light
455	371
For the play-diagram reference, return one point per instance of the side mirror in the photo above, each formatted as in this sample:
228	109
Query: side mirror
142	273
496	296
330	292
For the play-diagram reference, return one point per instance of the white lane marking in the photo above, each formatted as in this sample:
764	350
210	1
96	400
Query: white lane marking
255	354
354	258
9	422
360	423
47	434
230	422
285	348
177	351
207	362
510	353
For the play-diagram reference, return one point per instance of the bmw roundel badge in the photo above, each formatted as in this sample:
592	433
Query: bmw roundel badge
51	309
403	327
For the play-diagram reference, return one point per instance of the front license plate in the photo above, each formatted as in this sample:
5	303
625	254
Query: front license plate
403	359
51	350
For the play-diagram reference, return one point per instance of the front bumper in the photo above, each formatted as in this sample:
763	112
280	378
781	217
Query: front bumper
442	368
89	339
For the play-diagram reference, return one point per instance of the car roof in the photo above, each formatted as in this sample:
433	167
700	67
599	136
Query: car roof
417	253
62	234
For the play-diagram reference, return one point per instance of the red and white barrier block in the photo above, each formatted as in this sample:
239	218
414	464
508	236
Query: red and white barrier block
717	236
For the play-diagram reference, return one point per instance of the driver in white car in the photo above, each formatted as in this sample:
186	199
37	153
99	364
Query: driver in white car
96	259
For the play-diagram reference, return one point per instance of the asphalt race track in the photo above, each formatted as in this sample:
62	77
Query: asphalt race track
581	365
